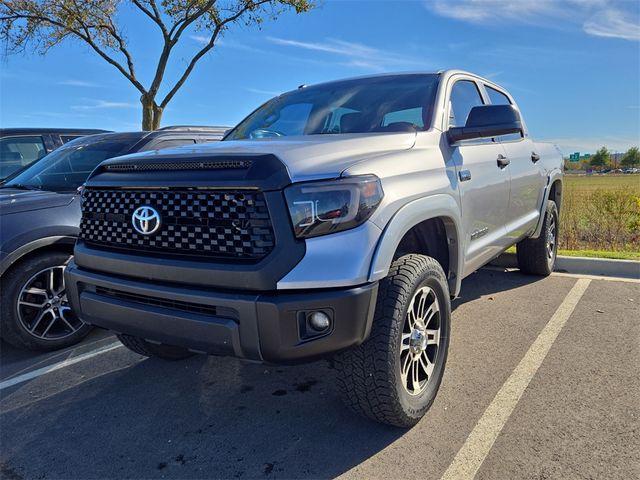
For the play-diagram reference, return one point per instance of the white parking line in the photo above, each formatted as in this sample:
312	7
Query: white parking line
57	366
475	449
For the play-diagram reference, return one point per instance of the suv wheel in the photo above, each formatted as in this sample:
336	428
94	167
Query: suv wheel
35	311
537	256
393	377
148	349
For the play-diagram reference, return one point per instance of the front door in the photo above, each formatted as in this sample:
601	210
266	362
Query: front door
484	185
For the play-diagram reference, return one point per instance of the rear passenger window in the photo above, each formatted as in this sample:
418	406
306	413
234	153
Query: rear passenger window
499	98
496	97
464	96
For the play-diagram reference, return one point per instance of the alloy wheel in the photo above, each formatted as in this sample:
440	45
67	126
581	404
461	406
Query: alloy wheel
43	308
420	341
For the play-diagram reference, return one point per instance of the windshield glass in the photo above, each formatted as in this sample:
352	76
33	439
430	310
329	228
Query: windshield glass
392	103
68	167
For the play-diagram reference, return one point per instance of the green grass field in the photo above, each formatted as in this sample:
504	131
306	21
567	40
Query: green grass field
601	216
582	184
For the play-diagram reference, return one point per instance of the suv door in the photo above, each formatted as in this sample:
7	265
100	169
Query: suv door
527	179
484	186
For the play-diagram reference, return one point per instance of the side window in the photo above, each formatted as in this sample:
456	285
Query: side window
499	98
464	96
496	97
18	152
172	143
410	115
68	138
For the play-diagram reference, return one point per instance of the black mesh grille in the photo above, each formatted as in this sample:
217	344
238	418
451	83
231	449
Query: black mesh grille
201	223
139	167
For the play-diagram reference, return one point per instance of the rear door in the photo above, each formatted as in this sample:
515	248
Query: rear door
527	179
484	186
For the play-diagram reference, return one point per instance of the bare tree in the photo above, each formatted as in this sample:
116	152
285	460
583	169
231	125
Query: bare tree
43	24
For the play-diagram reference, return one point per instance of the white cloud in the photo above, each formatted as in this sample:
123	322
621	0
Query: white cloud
612	23
602	18
78	83
104	104
357	55
271	93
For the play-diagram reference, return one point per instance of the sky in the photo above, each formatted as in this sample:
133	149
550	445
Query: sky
573	66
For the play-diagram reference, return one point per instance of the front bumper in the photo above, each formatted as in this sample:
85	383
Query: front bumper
267	326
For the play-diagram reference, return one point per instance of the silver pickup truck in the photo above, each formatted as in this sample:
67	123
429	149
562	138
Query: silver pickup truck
337	219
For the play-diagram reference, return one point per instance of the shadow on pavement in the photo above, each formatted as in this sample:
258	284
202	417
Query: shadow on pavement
203	417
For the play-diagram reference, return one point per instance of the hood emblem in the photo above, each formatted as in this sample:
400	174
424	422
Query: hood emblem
145	220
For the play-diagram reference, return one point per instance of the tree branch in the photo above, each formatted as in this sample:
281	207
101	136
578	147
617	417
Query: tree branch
155	15
217	30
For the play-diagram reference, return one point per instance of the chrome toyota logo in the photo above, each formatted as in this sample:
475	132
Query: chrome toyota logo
145	220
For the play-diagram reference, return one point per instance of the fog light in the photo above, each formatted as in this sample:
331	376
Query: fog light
319	321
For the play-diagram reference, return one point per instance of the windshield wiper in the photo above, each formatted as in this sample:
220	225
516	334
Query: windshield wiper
20	186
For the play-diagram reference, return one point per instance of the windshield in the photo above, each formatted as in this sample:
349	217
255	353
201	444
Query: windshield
392	103
68	167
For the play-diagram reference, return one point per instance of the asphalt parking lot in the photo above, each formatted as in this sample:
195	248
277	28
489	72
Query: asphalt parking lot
542	382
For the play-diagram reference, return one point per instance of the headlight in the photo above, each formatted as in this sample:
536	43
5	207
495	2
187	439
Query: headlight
318	208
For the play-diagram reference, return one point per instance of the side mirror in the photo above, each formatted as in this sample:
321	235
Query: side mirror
487	121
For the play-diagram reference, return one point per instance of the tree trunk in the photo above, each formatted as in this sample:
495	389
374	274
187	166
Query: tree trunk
157	116
151	113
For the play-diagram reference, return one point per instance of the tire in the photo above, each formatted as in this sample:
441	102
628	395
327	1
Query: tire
370	377
35	314
537	256
165	352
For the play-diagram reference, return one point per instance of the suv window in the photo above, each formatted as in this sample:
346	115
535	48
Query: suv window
68	138
464	96
18	152
496	97
174	142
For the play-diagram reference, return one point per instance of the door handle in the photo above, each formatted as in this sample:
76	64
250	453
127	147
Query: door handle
534	157
503	161
464	175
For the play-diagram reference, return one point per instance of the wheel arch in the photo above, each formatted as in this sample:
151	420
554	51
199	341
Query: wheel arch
55	243
553	191
439	215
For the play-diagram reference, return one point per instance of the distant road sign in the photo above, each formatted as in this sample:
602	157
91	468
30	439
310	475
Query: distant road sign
574	157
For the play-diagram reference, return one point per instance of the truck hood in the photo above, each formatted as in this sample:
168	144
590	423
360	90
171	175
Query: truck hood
16	201
306	157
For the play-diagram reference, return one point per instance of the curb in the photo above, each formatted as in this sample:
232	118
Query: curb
582	266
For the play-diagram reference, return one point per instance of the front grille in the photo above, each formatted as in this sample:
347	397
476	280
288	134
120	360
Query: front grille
201	223
189	307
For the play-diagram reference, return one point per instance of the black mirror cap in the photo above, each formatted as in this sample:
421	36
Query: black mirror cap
487	121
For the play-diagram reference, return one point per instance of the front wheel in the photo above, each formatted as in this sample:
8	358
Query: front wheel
537	256
34	310
394	376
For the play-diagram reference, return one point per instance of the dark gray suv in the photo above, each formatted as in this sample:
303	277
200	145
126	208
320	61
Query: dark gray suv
39	221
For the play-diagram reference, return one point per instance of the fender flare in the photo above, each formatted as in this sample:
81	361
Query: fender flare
27	248
411	214
551	179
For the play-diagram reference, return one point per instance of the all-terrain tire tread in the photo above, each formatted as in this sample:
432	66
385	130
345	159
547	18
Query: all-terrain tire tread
532	252
366	374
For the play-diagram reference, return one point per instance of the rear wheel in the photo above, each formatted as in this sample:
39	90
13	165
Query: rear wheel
394	376
34	308
148	349
537	256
